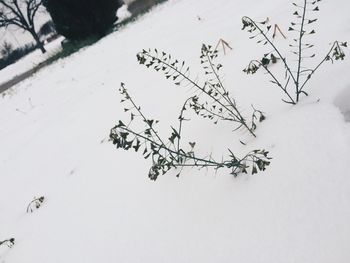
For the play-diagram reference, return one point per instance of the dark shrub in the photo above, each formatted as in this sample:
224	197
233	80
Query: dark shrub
80	19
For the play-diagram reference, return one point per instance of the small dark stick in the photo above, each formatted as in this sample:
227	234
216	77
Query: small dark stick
279	30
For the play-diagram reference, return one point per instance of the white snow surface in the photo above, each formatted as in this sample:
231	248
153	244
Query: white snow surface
100	205
123	13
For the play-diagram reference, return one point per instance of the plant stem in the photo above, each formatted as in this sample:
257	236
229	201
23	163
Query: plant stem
276	80
273	46
179	152
300	51
144	118
181	119
319	65
241	119
194	84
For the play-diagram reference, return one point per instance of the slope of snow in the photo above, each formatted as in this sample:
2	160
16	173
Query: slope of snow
101	207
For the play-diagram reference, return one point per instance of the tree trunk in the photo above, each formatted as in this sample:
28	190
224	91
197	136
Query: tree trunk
37	40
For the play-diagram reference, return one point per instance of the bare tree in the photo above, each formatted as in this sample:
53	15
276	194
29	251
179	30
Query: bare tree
21	13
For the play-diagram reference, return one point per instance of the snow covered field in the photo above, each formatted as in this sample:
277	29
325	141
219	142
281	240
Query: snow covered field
99	204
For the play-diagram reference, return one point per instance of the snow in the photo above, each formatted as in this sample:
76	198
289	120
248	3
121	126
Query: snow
99	204
342	102
123	13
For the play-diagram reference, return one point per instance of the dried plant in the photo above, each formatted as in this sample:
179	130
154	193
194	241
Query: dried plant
35	204
169	154
217	103
295	79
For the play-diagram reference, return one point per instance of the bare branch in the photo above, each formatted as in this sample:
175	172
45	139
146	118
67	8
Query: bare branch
21	14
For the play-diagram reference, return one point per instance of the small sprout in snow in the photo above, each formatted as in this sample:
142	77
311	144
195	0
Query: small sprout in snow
35	204
8	242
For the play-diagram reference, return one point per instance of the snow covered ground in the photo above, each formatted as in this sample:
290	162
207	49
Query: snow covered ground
99	204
